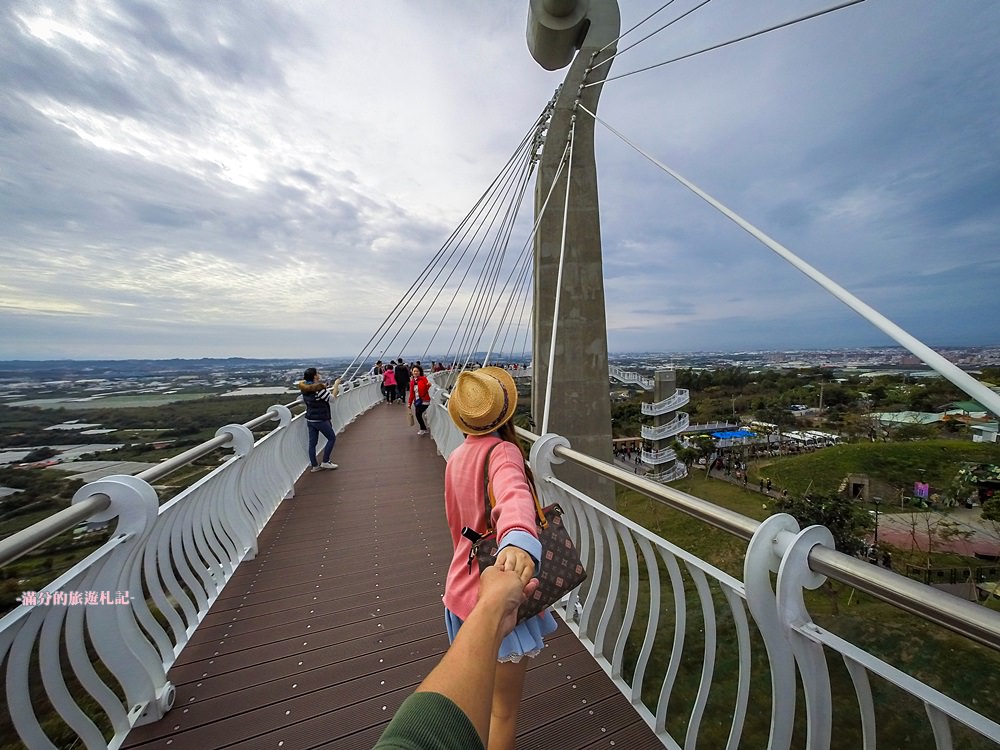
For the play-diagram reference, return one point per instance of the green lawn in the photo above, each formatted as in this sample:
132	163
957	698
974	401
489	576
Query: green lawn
897	464
957	667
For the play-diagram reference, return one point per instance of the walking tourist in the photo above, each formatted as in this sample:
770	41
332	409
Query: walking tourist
402	380
420	396
482	405
316	395
389	383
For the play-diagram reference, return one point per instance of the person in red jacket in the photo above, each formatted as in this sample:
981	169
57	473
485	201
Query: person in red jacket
420	396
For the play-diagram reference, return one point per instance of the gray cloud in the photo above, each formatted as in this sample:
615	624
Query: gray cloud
190	178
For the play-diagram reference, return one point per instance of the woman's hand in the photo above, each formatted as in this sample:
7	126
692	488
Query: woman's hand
505	593
518	561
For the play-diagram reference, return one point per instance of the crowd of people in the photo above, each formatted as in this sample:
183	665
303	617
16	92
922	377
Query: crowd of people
406	384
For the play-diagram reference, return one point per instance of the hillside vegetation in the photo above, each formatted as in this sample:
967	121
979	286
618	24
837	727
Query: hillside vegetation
895	464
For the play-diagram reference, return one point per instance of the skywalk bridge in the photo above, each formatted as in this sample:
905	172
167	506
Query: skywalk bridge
287	609
264	607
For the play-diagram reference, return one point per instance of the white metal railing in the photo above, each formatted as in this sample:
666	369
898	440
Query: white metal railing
151	583
658	457
678	471
675	426
630	377
675	401
642	588
711	427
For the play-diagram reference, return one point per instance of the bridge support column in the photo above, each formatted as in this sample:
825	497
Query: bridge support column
580	406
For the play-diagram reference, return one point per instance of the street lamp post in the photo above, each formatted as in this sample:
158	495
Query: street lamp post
877	501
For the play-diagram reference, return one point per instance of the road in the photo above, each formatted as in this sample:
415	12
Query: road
960	530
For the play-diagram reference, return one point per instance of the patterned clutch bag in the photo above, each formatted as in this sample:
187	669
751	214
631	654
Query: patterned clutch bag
560	570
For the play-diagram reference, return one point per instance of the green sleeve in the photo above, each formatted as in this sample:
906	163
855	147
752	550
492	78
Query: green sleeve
429	721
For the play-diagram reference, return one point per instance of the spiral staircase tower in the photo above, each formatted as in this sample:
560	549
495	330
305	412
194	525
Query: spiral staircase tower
668	422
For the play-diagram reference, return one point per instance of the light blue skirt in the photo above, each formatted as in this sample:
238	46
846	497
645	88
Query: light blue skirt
527	639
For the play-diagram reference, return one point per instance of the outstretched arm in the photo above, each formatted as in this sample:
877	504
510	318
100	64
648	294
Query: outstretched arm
465	674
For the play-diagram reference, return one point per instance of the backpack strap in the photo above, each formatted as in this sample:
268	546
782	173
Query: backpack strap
488	499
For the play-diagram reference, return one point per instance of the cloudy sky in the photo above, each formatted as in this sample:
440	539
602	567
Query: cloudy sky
265	179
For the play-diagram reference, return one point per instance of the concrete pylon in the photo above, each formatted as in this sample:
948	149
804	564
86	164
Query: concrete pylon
580	407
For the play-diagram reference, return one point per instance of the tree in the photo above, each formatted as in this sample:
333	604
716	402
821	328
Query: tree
847	520
687	456
40	454
704	445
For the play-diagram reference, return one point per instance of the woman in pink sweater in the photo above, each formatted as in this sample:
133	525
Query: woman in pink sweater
389	384
482	404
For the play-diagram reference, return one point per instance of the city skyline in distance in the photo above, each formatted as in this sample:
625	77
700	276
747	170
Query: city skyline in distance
886	356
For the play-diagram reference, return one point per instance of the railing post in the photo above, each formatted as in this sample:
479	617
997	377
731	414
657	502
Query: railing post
284	418
794	575
764	557
117	638
542	455
234	512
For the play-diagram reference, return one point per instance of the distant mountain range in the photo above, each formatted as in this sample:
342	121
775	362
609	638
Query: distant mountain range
115	368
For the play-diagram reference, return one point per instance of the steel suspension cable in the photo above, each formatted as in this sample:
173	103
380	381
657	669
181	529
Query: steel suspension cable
531	318
488	282
514	293
493	300
508	290
636	26
559	278
474	300
792	22
516	290
940	364
545	203
512	177
515	179
496	294
608	60
530	141
535	227
380	332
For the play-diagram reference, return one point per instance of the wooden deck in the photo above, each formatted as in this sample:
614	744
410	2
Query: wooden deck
316	642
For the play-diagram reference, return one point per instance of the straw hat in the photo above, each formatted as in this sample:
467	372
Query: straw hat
482	400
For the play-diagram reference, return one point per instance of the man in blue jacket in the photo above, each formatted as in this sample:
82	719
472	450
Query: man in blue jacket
316	396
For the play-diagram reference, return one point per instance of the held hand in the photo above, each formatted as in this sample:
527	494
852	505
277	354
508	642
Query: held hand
504	590
517	560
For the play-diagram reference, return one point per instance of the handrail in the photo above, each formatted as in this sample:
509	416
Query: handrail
631	377
166	563
678	398
675	426
970	620
25	540
658	456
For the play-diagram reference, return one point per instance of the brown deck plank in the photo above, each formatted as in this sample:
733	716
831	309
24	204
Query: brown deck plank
316	641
